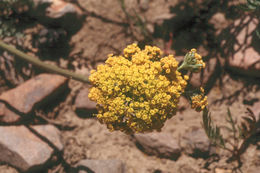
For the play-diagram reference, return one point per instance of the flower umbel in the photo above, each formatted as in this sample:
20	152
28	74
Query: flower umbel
137	92
199	101
192	61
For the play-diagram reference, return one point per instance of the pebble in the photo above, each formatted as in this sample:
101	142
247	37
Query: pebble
84	106
159	144
24	150
245	56
197	144
101	166
35	92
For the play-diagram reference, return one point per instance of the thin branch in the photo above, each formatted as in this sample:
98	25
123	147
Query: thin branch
39	63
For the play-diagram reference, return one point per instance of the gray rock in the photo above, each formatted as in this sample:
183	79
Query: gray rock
60	8
144	5
58	13
84	106
23	149
159	144
244	57
197	144
187	168
101	166
219	22
51	133
222	170
31	94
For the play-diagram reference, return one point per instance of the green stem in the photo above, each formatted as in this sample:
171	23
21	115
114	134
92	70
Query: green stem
182	66
39	63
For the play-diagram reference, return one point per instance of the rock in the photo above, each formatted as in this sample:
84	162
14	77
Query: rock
36	92
256	109
101	166
51	133
197	144
244	55
84	106
221	170
219	22
7	169
187	168
157	12
60	8
144	5
23	149
59	13
158	144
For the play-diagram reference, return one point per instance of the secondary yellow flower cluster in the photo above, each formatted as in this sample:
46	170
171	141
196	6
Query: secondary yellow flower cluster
137	92
198	58
192	61
199	101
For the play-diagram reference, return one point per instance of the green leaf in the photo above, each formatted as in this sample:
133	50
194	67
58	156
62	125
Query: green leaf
213	132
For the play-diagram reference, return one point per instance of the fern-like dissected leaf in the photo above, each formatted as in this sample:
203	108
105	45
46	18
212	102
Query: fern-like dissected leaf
253	4
213	132
248	125
231	121
234	128
258	33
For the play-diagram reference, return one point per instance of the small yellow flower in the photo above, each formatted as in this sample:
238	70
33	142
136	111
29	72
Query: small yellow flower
186	77
117	88
199	102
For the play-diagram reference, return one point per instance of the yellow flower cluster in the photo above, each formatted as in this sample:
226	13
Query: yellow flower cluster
192	61
199	101
137	92
198	58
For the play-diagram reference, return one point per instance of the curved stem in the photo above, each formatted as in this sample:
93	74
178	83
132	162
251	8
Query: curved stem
182	66
39	63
